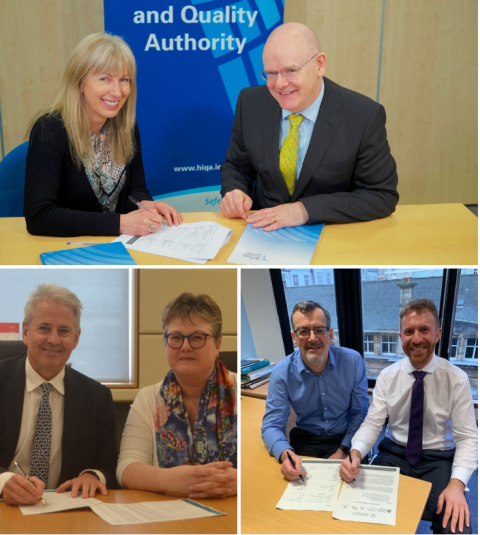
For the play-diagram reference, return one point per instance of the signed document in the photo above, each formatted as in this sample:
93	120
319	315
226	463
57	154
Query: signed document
143	513
372	497
194	242
320	490
55	502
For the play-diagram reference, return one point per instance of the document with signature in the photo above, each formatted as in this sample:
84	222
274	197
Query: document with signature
193	242
320	490
55	502
118	514
372	497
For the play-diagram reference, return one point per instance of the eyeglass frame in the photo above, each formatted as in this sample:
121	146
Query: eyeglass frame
264	73
327	330
206	335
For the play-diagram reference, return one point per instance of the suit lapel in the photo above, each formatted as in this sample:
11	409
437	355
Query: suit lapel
326	125
271	142
14	394
71	418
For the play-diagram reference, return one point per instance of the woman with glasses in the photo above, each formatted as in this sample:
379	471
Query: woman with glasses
84	163
181	434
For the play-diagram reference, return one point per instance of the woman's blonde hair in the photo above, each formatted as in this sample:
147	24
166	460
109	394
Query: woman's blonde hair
95	54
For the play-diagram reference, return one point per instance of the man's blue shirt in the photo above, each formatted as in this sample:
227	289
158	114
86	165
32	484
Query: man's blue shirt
328	404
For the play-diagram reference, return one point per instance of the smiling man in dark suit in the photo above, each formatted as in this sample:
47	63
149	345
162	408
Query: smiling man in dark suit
304	149
55	422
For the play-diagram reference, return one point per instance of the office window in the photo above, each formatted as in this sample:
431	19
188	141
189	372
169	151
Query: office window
306	278
388	345
384	292
454	348
104	349
471	348
321	293
368	343
295	280
464	348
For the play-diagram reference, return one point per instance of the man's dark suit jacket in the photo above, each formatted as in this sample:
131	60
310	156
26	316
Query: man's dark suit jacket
88	440
348	173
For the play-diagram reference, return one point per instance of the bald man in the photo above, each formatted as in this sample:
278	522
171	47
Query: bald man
303	149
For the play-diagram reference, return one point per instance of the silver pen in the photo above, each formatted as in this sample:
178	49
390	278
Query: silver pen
26	476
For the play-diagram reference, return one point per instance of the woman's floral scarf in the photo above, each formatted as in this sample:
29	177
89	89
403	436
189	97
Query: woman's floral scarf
215	435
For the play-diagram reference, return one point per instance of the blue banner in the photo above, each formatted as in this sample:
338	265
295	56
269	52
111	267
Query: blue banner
193	59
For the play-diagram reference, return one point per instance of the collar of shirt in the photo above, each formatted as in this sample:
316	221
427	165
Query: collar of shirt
34	380
301	366
311	112
429	368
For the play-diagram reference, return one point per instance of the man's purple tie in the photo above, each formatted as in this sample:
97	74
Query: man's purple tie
415	428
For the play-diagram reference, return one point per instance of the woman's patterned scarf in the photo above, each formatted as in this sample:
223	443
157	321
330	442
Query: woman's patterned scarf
215	435
106	178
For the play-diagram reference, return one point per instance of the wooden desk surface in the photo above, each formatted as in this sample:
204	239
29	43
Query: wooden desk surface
432	234
86	521
263	486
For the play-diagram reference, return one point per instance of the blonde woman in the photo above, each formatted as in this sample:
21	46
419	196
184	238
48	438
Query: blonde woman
84	158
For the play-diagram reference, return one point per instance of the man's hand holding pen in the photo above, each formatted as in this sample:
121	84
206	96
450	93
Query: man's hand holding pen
292	468
350	467
21	491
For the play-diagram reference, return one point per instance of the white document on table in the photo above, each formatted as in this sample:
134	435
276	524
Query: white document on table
55	502
372	497
193	242
142	513
320	490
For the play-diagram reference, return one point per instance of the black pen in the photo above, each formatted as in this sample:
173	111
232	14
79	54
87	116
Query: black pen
293	464
26	476
350	459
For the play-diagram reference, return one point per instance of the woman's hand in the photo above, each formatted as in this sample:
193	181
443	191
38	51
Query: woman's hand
213	480
139	222
209	489
169	213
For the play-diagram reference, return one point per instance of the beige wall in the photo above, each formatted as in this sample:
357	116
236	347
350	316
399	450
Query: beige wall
428	75
157	287
36	38
428	83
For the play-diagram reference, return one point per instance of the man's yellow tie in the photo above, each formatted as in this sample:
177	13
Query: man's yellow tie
289	153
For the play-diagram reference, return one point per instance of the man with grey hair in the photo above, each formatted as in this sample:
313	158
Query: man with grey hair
55	422
431	433
304	149
325	385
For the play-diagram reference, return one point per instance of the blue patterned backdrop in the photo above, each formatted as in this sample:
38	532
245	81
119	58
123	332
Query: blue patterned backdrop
193	59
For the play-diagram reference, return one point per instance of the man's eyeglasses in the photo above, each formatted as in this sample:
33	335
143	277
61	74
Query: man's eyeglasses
287	74
196	340
303	332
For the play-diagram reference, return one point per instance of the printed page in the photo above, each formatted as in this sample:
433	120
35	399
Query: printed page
286	246
55	502
372	497
320	490
194	242
143	513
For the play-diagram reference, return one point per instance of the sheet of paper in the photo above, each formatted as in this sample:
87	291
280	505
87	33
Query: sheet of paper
320	490
372	497
194	242
142	513
57	502
287	246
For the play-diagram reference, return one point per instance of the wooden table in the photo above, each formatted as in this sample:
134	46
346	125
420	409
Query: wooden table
263	486
431	234
86	521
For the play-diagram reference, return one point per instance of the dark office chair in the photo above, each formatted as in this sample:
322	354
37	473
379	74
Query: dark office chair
12	348
12	181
